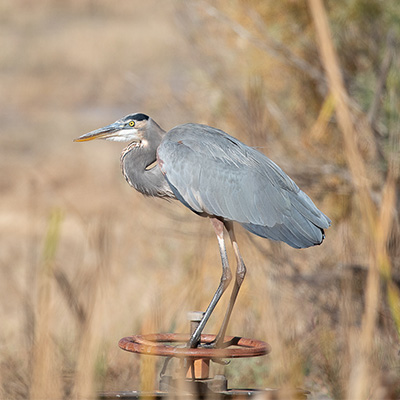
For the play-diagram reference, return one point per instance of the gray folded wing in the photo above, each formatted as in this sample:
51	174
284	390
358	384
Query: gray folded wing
213	173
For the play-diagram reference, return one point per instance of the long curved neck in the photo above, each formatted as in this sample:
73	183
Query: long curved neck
137	163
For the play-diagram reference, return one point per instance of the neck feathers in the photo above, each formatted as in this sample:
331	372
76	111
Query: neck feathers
136	164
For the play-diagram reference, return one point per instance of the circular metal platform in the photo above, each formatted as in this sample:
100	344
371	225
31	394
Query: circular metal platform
161	344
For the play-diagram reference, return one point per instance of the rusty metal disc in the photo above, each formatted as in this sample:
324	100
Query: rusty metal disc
160	344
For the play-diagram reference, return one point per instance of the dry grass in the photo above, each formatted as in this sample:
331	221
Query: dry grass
84	260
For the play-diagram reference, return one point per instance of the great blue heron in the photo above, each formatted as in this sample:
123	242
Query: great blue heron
219	177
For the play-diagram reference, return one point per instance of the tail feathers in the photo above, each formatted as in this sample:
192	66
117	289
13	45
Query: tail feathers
293	234
308	211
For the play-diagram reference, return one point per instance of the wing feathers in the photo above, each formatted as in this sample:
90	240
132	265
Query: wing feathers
213	173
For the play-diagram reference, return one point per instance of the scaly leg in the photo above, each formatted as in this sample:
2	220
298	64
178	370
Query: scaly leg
225	280
240	274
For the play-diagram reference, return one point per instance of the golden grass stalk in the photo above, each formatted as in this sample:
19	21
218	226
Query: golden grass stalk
90	336
319	128
45	382
378	226
337	88
383	232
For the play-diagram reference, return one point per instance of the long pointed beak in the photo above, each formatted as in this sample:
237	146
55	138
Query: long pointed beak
102	133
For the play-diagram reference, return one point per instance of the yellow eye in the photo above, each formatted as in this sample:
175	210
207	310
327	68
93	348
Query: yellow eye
132	123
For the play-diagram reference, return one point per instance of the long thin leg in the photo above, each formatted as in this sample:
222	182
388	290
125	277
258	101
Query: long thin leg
225	280
240	274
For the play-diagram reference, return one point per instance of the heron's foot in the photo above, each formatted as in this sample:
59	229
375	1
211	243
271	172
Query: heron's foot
193	342
218	343
215	344
211	345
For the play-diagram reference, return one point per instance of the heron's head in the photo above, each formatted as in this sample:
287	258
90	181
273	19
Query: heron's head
131	128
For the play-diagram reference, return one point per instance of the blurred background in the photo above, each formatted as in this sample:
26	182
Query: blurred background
85	260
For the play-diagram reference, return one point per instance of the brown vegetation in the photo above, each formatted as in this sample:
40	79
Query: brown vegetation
85	260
